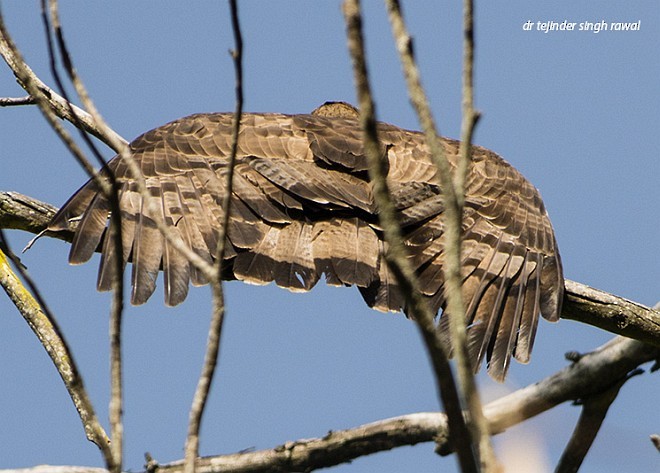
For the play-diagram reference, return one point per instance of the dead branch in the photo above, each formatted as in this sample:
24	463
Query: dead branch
593	373
453	185
200	398
396	254
582	303
47	331
591	419
612	313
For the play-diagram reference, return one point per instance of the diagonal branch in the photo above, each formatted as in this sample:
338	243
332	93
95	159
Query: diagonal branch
591	419
612	313
47	331
396	254
581	303
217	318
60	106
593	373
453	185
50	16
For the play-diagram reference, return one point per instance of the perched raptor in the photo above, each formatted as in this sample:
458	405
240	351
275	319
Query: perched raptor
302	208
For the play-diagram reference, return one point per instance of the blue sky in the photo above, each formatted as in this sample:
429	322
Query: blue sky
576	112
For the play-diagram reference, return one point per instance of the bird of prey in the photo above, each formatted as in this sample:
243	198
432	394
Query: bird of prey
302	208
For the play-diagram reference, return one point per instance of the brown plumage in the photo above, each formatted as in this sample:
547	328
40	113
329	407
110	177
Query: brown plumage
302	208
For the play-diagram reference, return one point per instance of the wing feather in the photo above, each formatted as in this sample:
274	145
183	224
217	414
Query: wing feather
302	207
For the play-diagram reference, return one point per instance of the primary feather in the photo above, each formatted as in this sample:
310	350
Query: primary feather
302	207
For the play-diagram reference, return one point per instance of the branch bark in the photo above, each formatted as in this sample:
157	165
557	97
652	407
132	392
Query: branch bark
453	185
57	103
594	373
591	419
582	303
47	331
200	398
396	255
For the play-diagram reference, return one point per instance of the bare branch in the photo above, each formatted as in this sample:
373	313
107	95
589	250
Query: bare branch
57	469
489	462
45	327
15	101
612	313
61	107
20	212
27	79
591	374
396	254
453	192
116	311
217	318
593	414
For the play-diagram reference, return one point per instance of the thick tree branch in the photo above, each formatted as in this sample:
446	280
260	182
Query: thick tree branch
594	373
581	302
612	313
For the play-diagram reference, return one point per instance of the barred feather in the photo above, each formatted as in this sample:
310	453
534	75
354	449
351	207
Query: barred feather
302	208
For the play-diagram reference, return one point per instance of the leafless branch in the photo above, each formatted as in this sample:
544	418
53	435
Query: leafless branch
9	50
45	327
487	458
15	101
582	303
40	91
30	82
612	313
396	254
453	192
593	373
593	414
217	317
50	15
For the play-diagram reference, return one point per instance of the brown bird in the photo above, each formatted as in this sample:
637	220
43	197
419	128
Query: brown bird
302	207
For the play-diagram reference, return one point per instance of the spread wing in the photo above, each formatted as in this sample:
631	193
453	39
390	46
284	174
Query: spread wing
302	208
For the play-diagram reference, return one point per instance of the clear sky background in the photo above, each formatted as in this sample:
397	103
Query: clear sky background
577	113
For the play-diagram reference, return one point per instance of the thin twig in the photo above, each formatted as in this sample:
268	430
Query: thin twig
117	306
21	70
40	91
16	101
488	459
217	317
453	192
396	254
42	95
